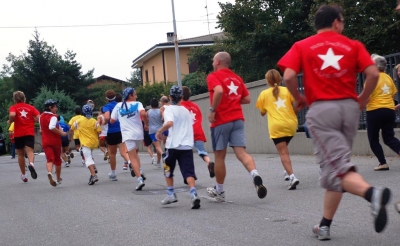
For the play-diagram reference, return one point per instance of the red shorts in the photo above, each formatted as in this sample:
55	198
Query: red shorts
53	154
102	138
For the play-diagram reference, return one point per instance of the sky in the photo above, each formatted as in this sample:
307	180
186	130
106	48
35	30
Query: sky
99	45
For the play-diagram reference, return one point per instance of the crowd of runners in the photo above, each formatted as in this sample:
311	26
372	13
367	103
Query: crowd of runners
329	62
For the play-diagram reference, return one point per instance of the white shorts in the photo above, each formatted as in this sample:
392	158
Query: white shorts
130	144
87	153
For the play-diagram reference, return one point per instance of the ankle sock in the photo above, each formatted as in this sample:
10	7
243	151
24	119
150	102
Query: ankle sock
368	194
192	190
219	188
170	190
113	172
325	222
139	179
253	173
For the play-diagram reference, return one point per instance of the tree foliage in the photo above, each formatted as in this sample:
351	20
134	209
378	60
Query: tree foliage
66	104
155	90
136	78
197	82
42	65
97	91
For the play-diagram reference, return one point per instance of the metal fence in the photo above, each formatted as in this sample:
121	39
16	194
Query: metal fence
392	61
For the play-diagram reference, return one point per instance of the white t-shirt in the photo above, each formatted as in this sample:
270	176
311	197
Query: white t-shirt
129	120
180	135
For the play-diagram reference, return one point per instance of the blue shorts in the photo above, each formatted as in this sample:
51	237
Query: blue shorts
185	161
165	133
231	132
199	146
153	137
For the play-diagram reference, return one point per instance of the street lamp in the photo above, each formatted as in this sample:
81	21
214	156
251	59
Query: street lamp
177	60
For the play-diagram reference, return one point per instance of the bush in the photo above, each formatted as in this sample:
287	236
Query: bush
197	82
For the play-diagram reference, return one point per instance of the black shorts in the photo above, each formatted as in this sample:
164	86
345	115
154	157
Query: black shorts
77	142
282	139
65	142
114	138
147	139
185	161
21	142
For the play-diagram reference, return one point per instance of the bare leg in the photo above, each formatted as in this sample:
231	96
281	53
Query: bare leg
133	156
21	160
244	158
219	168
159	150
112	150
150	151
30	154
123	151
58	172
283	151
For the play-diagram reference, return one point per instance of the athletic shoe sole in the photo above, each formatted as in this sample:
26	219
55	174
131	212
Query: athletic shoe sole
293	186
211	169
52	182
140	187
33	172
381	219
261	190
196	203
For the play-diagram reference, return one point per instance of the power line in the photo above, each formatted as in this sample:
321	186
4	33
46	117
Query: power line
101	25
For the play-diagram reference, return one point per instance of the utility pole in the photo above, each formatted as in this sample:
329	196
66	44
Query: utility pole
178	63
208	22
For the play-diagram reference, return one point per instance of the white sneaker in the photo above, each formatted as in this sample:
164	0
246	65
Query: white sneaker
140	185
286	176
158	165
153	161
212	192
169	199
51	180
293	183
112	177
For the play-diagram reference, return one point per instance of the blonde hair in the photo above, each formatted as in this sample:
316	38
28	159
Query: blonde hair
398	65
18	96
274	78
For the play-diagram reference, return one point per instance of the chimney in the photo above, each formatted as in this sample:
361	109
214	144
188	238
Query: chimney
170	37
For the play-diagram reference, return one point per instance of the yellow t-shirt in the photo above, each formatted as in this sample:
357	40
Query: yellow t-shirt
282	120
71	122
89	131
382	96
11	128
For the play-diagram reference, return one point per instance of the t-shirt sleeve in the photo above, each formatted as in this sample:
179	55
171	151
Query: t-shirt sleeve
36	112
292	60
363	58
261	102
140	107
114	113
53	123
12	109
168	115
212	81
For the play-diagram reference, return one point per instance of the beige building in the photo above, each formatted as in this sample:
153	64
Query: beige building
158	63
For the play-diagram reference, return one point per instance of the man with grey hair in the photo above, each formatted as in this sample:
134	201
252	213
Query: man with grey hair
381	114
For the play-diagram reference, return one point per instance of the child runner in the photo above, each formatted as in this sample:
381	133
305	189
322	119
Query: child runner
102	137
78	115
66	153
155	123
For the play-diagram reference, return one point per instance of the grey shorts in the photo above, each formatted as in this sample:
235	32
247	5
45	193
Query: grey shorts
231	132
333	126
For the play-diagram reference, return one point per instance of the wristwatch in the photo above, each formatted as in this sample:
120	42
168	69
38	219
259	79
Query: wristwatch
212	110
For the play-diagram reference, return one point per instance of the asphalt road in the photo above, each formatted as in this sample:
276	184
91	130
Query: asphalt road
113	213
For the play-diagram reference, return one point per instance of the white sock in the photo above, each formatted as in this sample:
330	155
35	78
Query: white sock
253	173
113	172
31	163
24	176
292	176
219	188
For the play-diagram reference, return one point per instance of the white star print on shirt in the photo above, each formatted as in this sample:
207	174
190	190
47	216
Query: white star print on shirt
232	88
193	116
385	89
280	103
330	60
23	113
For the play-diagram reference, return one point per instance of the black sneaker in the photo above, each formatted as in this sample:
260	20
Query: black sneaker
95	169
33	172
211	169
132	172
93	180
261	190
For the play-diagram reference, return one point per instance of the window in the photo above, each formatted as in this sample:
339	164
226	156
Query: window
154	75
146	75
193	67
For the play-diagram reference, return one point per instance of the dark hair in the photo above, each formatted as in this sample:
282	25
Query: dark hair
118	97
186	93
78	110
101	110
154	103
326	15
58	118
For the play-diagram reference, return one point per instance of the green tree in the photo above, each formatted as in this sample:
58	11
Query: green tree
155	90
136	78
42	65
197	82
66	104
97	91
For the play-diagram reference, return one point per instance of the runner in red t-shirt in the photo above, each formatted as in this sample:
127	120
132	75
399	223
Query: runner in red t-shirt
227	93
24	116
330	63
199	137
51	141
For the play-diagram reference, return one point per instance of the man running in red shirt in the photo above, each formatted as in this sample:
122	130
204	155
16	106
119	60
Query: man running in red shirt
227	94
24	116
330	63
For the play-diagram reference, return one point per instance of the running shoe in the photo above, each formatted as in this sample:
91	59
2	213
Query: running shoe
67	164
322	232
380	197
140	185
32	170
293	183
71	154
261	190
169	199
195	201
211	169
68	159
212	192
83	163
112	177
95	169
93	180
286	176
382	167
24	179
125	167
51	180
106	155
153	161
59	181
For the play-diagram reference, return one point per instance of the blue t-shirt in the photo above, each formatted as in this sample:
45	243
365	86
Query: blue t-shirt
111	127
65	128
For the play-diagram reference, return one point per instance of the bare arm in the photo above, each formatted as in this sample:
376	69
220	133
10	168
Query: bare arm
245	100
165	127
290	78
11	117
371	79
217	97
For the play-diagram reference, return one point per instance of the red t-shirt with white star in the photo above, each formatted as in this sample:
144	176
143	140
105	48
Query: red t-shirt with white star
197	120
234	90
24	121
330	63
